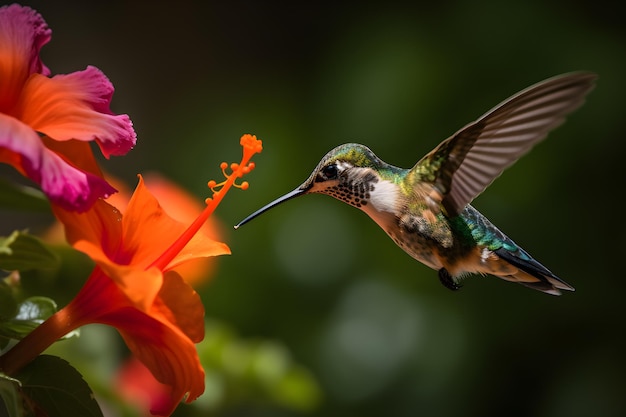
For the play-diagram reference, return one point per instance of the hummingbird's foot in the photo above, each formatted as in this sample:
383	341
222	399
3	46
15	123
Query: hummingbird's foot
446	279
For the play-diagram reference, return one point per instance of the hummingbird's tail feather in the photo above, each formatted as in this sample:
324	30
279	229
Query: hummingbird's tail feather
542	286
531	273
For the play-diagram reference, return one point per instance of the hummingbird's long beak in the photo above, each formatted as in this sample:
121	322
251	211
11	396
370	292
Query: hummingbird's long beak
295	193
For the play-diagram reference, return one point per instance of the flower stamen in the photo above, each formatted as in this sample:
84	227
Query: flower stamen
251	145
237	171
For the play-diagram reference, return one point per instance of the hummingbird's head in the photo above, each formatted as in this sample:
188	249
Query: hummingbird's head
345	173
341	171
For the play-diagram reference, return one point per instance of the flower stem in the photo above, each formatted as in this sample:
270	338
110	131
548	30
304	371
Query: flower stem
31	346
92	298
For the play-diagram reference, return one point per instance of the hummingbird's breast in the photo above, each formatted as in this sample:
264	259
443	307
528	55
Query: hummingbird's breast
414	227
423	236
418	225
412	220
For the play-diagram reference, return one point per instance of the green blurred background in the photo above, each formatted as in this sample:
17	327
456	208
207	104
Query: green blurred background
374	327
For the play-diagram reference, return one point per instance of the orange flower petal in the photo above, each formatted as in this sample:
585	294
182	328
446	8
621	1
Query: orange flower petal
181	305
148	230
125	247
167	352
76	106
185	208
179	204
140	286
97	232
156	341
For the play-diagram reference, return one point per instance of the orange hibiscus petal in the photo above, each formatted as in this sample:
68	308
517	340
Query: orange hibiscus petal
179	204
138	285
167	352
148	230
185	208
181	305
76	106
97	232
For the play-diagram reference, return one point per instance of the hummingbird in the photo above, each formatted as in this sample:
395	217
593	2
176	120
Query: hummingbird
426	209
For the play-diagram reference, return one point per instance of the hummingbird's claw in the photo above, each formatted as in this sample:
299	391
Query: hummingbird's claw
446	279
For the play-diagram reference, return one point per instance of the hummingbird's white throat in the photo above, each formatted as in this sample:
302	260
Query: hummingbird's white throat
384	197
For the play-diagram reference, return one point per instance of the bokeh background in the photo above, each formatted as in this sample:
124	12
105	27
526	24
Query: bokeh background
374	328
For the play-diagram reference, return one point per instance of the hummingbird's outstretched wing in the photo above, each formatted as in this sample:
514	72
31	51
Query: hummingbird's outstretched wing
462	166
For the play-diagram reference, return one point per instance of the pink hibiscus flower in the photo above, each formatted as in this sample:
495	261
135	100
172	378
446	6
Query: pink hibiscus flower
46	123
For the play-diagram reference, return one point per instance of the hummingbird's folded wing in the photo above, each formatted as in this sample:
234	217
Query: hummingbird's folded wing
467	162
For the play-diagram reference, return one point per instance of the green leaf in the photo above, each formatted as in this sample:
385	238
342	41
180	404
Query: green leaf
36	309
30	314
22	251
51	384
8	303
20	197
11	403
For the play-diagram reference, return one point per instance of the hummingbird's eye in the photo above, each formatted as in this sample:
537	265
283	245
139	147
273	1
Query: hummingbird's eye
330	171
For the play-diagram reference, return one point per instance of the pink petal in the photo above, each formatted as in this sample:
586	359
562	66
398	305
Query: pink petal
76	106
70	187
22	34
64	184
136	384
